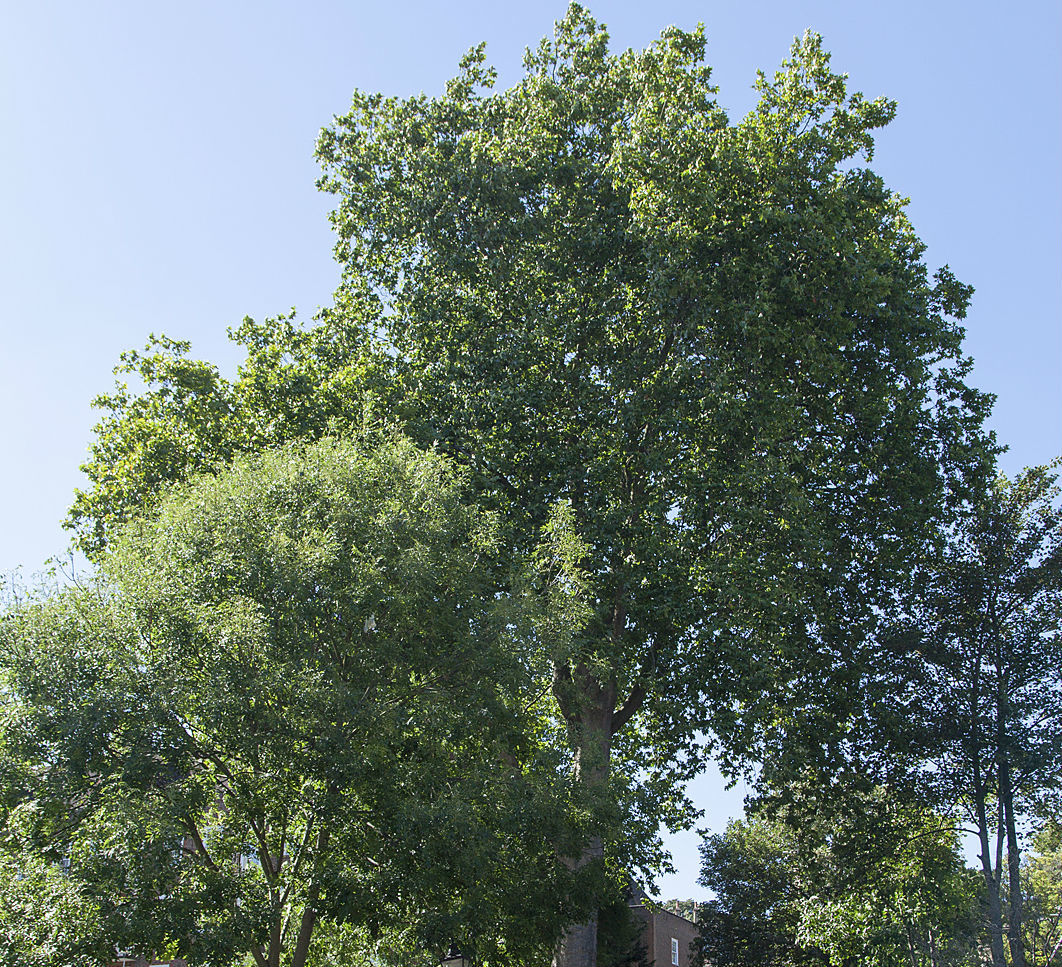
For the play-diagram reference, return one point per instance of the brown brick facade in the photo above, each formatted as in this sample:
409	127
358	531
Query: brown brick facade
667	936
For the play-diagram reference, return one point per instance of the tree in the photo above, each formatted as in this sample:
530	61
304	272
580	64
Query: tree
979	645
716	343
1042	894
293	698
883	885
753	871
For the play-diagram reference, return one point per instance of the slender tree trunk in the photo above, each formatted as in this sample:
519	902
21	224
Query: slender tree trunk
1014	913
911	946
995	910
306	925
309	912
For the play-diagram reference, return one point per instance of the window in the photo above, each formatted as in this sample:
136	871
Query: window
674	951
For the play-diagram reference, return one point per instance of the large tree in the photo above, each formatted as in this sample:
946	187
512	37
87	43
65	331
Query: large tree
294	698
716	343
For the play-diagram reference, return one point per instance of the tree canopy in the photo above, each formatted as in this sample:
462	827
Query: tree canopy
718	343
883	886
954	700
294	697
708	352
981	647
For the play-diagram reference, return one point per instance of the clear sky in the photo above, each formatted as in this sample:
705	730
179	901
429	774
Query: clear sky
157	175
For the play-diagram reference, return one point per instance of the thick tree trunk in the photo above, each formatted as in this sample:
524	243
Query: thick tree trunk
275	948
578	946
590	728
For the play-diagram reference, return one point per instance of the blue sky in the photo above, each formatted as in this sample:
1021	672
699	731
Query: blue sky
157	175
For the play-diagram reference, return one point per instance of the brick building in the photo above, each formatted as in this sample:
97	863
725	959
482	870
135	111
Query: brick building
666	935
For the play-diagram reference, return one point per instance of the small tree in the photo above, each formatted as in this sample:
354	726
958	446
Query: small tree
1042	894
877	883
293	698
754	872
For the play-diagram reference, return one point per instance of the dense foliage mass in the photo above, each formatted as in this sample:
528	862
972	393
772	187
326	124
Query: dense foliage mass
884	887
711	410
292	696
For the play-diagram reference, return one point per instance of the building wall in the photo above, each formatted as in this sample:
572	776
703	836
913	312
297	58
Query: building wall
661	927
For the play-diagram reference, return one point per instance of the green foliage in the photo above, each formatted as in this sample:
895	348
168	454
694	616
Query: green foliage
717	343
980	649
954	701
885	887
294	697
988	645
181	416
620	939
753	870
45	919
1042	889
699	366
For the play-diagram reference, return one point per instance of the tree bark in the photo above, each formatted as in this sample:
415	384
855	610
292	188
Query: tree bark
912	948
309	912
995	910
275	948
589	709
1014	912
578	946
306	925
